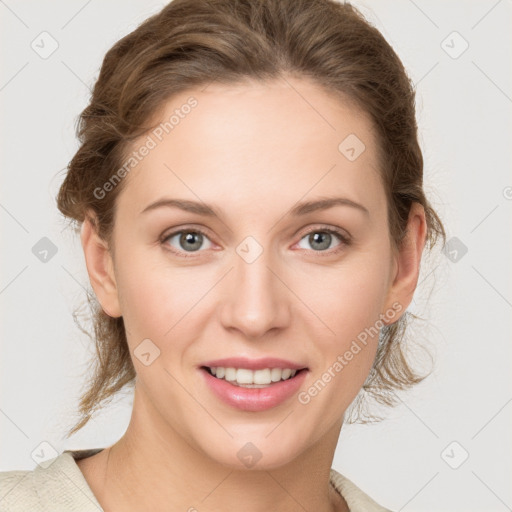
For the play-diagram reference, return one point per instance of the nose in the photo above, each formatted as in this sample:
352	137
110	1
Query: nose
257	298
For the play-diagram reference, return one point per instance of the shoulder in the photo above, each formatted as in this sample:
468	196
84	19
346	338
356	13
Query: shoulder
55	485
357	500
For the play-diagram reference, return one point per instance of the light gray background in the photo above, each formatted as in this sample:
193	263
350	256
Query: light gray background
464	113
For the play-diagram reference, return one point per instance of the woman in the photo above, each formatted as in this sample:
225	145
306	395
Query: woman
278	139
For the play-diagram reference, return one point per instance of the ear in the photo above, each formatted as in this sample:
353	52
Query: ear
407	260
100	267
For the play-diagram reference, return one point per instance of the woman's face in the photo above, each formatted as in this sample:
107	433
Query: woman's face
266	277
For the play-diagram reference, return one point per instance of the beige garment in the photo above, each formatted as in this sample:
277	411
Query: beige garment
60	486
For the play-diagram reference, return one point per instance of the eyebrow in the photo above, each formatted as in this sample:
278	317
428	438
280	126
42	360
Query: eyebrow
303	208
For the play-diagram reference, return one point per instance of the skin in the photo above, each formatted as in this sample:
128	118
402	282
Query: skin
297	301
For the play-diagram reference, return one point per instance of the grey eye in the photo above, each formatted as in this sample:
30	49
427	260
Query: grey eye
188	241
320	240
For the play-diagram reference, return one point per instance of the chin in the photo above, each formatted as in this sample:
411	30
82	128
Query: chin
255	451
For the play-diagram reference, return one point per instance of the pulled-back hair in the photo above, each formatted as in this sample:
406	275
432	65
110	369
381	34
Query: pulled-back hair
194	42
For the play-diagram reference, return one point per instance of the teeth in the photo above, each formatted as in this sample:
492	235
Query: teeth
252	378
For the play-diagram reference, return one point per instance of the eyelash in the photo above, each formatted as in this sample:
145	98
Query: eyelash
345	241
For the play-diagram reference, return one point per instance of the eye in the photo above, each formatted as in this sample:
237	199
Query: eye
192	240
321	239
187	240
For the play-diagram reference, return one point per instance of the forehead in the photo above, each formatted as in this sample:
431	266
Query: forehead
256	141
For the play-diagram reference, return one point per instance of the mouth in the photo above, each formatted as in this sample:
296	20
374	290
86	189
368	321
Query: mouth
253	390
247	378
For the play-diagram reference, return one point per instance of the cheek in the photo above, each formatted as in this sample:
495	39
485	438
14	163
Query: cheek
350	298
151	295
349	302
351	308
164	303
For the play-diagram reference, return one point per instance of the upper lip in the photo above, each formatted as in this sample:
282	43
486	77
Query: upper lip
253	364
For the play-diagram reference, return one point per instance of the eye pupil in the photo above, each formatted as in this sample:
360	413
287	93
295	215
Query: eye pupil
189	238
320	237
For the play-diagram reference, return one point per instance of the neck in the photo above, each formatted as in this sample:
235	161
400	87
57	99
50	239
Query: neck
153	467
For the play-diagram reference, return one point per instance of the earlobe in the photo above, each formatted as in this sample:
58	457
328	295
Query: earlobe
100	268
408	259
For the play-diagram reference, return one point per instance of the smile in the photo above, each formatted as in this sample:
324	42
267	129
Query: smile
253	390
252	378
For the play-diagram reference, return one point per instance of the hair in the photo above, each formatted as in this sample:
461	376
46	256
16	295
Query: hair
194	42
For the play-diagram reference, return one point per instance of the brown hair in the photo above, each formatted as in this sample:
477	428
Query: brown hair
194	42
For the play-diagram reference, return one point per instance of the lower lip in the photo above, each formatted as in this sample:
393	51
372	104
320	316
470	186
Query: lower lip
254	399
